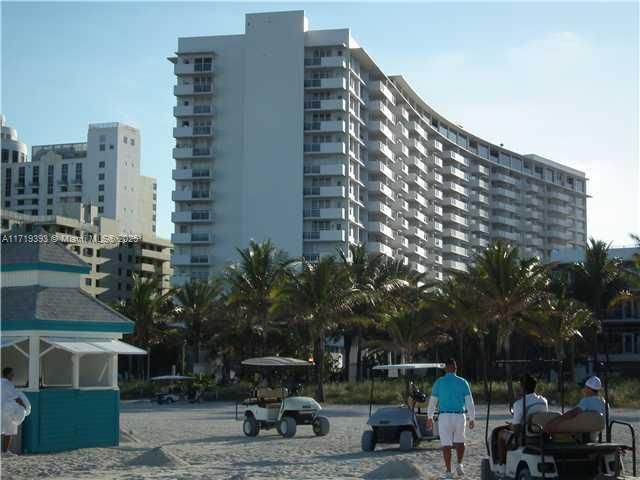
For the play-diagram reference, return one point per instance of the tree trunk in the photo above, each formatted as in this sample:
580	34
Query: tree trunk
460	358
507	356
318	356
572	360
348	341
148	363
483	363
358	359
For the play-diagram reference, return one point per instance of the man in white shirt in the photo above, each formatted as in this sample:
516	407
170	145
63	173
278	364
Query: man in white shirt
10	397
533	403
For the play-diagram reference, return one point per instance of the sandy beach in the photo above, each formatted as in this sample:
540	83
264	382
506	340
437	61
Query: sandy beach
189	442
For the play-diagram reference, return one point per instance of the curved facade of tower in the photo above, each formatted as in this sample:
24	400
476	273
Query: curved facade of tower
297	136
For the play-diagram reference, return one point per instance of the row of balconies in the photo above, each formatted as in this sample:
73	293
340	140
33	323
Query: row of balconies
192	238
339	83
193	111
325	148
324	213
194	131
325	235
189	89
334	104
327	126
188	195
325	62
326	170
192	68
329	191
192	216
192	152
191	174
187	259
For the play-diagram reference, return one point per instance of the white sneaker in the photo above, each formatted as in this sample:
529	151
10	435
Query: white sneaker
460	471
446	476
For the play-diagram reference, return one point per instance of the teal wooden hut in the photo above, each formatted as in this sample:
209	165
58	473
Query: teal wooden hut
63	345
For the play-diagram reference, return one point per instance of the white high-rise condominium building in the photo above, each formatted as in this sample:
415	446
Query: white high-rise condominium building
296	135
103	171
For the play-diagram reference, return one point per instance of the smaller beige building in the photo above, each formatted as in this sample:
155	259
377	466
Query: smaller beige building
113	259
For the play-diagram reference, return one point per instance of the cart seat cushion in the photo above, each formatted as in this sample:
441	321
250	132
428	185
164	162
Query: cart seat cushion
270	395
584	422
421	405
541	419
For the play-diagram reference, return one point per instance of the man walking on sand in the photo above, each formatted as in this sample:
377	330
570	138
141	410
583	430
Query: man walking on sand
453	396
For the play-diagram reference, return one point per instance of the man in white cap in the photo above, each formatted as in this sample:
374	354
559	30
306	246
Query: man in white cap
590	402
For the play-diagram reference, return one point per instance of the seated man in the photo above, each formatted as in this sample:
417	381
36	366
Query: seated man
590	402
532	402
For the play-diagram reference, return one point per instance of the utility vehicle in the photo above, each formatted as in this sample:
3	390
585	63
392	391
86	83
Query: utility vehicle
575	452
280	408
405	424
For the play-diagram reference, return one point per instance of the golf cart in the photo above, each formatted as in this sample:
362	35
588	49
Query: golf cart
574	451
171	389
405	424
280	408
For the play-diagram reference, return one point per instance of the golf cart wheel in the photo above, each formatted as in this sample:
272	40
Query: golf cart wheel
250	426
406	441
524	474
485	470
368	441
287	427
321	426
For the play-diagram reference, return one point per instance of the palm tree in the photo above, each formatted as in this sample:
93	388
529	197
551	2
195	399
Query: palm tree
253	281
196	304
597	281
507	288
376	278
560	324
148	307
317	299
462	315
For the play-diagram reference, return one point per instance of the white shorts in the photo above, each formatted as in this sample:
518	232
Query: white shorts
451	428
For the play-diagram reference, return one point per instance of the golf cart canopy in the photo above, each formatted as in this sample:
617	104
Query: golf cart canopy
170	378
409	366
276	362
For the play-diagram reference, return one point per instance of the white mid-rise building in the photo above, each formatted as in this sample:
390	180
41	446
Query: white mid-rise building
103	171
297	136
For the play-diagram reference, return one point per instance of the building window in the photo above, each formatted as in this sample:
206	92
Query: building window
101	176
5	155
101	187
65	173
7	183
49	201
49	212
103	138
124	139
35	175
100	209
132	142
101	198
102	147
14	156
101	165
78	172
87	282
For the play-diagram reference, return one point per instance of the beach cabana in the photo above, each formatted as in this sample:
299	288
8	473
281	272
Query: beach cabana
63	345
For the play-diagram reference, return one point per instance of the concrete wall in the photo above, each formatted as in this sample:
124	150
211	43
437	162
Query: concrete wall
273	129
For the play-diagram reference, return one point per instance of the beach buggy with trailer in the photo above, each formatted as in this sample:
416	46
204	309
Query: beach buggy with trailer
575	451
405	424
279	408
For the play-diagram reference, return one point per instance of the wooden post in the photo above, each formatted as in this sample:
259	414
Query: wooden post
113	363
75	373
34	363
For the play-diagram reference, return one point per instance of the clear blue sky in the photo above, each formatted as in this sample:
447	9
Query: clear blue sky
557	79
